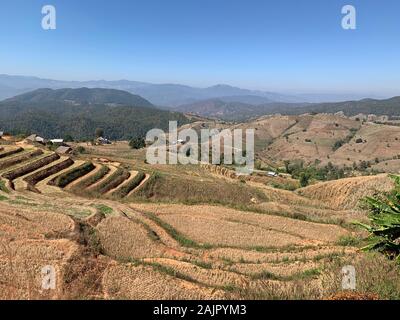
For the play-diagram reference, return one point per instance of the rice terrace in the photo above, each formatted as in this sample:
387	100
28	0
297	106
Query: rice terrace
227	154
115	227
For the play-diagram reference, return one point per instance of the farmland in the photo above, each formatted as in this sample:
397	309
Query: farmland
115	227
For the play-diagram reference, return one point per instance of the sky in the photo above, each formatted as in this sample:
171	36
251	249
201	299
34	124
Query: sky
296	46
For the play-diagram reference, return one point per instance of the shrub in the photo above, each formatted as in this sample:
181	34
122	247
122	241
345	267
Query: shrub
384	225
137	143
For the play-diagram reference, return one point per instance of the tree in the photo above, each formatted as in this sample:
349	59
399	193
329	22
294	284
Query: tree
99	132
384	219
287	163
137	143
68	138
304	179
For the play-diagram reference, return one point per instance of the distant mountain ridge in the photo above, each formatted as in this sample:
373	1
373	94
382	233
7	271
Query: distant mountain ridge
238	111
166	95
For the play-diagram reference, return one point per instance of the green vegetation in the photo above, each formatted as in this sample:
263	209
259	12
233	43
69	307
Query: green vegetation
304	179
127	188
121	115
66	178
19	172
349	241
137	143
384	225
112	181
99	132
325	173
283	186
104	209
3	187
92	179
167	188
80	150
342	142
183	241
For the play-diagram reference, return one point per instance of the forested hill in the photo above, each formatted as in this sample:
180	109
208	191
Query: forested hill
82	96
78	112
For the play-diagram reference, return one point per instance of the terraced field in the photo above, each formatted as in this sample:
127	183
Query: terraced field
80	216
25	169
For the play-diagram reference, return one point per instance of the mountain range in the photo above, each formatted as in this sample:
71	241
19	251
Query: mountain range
238	111
165	95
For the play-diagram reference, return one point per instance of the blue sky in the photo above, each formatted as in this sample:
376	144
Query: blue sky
285	45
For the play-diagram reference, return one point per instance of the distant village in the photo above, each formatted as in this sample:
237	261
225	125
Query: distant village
60	146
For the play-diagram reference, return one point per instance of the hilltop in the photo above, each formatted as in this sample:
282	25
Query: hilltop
81	96
78	112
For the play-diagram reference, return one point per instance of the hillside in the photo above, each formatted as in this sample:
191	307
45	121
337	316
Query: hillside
82	96
244	108
116	227
319	140
389	107
78	112
235	108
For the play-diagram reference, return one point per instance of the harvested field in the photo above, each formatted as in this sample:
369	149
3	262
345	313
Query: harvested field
17	223
207	276
66	178
295	254
118	234
127	281
19	172
125	239
346	193
19	159
228	227
21	264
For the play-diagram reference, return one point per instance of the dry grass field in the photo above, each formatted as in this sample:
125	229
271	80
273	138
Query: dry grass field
181	232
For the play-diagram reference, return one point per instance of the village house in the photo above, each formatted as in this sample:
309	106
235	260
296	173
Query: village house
36	138
64	150
102	141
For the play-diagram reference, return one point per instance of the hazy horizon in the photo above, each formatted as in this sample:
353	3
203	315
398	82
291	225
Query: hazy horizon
260	45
